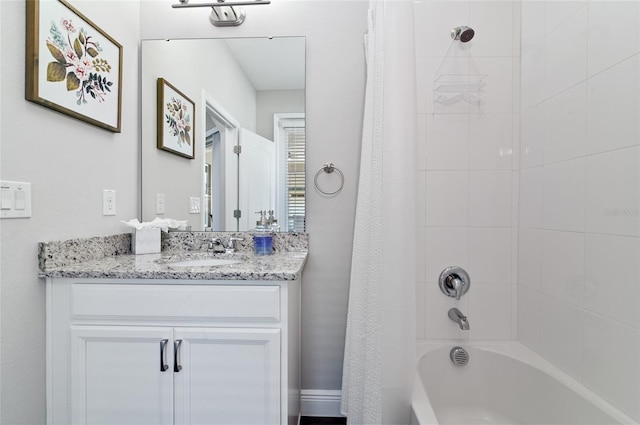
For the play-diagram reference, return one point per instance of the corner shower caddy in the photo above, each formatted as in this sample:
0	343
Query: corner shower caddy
453	87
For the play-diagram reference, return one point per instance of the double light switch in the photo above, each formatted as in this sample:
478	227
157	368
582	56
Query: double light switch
15	199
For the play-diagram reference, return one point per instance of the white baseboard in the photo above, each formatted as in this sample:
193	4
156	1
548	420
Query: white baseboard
320	403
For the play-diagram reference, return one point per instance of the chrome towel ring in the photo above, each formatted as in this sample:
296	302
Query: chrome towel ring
329	168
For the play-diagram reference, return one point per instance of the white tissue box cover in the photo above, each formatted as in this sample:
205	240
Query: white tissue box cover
146	241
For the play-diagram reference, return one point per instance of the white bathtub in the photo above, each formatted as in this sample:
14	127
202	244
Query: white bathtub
503	383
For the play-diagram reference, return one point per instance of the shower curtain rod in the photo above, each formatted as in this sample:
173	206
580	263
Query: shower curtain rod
185	3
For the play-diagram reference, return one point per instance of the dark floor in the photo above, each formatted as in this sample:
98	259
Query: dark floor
310	420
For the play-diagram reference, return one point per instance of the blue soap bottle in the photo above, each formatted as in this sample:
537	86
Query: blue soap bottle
263	239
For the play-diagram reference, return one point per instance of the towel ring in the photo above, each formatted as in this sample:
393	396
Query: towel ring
329	168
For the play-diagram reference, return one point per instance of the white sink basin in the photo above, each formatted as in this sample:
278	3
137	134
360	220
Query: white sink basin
203	262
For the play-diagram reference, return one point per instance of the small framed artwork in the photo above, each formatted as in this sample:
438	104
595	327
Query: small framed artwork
72	66
176	114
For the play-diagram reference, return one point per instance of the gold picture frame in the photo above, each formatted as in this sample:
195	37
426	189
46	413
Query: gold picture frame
176	120
72	66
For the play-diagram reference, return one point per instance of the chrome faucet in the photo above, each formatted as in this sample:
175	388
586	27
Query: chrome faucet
231	245
215	245
457	316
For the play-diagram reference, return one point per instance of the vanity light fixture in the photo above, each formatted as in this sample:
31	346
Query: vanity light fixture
224	14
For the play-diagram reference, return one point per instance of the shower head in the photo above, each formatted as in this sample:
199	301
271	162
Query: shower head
463	33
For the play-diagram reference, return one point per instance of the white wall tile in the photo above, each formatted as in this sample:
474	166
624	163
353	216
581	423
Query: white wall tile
530	258
491	39
420	27
564	196
421	198
421	255
437	68
563	265
529	317
489	312
490	141
447	198
614	107
532	137
613	192
490	198
514	311
447	142
559	11
566	54
533	23
421	310
490	255
442	17
566	125
421	137
532	76
516	30
516	95
438	325
561	335
610	366
613	277
446	246
530	198
424	85
514	255
515	141
614	33
515	197
498	95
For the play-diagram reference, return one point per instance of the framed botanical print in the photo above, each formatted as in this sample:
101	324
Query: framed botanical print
73	66
175	120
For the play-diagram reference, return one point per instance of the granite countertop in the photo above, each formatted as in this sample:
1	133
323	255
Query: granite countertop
111	258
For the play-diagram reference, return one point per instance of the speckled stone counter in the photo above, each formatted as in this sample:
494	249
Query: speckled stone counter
110	257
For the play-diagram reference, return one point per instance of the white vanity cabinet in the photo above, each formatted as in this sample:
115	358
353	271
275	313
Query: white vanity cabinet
131	351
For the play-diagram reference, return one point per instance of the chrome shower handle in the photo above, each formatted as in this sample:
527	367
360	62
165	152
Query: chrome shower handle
454	282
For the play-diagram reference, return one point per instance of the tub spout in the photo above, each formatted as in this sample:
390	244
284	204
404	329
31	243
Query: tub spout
457	316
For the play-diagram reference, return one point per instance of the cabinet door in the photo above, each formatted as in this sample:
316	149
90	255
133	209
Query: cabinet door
116	375
228	376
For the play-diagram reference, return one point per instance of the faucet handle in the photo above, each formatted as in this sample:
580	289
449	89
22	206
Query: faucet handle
454	282
231	245
212	242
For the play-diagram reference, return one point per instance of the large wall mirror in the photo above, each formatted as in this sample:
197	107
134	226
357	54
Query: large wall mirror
248	130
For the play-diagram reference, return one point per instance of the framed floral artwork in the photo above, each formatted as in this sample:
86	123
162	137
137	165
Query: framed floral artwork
176	113
72	66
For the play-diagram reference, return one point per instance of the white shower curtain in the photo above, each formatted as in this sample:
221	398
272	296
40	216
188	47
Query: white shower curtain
379	346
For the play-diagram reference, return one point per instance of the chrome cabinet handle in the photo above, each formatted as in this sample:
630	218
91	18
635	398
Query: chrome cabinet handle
163	355
177	367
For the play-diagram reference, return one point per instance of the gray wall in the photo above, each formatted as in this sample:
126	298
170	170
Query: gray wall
335	92
269	102
183	65
68	163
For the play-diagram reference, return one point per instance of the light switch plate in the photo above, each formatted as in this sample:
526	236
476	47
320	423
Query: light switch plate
194	205
15	201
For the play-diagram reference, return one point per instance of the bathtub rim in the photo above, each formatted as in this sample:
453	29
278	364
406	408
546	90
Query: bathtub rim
424	413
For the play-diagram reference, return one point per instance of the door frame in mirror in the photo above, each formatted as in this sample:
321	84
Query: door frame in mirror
210	107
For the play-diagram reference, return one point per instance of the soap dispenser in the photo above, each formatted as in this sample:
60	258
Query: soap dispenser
263	239
263	222
273	222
